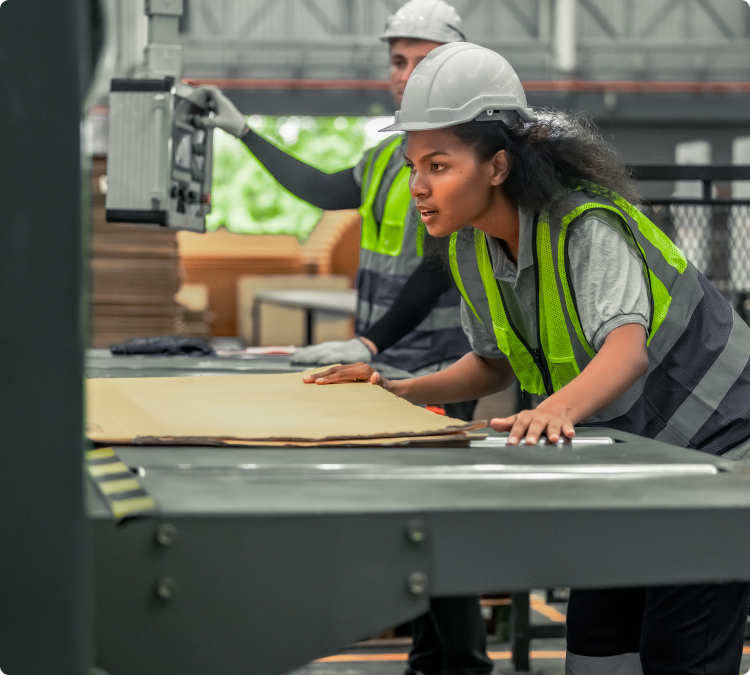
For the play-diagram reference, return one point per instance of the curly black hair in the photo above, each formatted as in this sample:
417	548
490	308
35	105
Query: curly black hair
558	150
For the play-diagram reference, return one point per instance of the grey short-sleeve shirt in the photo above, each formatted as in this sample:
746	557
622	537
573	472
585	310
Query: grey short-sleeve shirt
606	274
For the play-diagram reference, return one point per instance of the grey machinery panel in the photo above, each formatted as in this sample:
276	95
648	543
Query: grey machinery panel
285	555
160	154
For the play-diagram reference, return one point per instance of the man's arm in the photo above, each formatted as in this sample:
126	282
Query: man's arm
329	191
416	300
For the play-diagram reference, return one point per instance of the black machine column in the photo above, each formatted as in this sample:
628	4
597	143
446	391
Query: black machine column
45	66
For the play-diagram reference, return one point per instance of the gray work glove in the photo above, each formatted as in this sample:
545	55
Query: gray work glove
226	116
327	353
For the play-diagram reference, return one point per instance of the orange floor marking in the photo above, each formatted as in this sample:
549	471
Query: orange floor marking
538	605
497	656
362	657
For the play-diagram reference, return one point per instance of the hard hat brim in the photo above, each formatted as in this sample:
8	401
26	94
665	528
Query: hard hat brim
418	126
385	37
525	115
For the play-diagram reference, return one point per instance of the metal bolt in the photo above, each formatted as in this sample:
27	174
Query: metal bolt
416	531
417	583
166	534
165	588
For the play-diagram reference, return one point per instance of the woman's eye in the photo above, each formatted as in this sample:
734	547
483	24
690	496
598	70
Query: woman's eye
436	167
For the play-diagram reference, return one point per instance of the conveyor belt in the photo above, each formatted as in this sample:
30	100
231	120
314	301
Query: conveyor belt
101	363
263	559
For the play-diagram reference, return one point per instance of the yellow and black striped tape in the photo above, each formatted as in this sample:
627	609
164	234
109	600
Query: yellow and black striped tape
118	485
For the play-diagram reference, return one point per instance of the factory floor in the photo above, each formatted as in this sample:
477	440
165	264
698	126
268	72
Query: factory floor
388	657
547	659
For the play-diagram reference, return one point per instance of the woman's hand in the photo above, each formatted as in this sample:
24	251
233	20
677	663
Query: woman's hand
618	365
355	372
549	419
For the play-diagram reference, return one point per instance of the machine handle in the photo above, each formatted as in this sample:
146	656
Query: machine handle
158	193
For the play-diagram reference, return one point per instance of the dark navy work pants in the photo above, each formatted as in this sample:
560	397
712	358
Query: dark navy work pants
450	639
665	630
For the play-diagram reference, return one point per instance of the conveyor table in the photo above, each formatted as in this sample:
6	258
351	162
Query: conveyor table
263	559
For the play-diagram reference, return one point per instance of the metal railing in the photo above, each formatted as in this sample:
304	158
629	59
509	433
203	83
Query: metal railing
711	228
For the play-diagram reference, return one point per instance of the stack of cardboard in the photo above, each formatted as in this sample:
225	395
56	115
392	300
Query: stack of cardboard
218	259
333	246
135	273
196	318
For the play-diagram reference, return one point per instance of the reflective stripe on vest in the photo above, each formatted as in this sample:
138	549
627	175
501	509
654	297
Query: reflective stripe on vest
680	400
388	239
565	352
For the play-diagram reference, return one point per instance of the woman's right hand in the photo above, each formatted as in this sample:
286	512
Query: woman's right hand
355	372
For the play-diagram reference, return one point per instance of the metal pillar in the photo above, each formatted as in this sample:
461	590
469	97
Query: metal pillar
163	53
565	35
45	66
522	632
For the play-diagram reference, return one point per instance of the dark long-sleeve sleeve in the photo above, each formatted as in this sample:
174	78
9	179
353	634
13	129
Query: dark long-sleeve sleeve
416	300
329	191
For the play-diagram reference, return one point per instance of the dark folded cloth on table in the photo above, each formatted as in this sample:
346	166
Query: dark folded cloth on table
174	345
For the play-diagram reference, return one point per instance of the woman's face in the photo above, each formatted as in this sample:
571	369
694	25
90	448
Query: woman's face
450	185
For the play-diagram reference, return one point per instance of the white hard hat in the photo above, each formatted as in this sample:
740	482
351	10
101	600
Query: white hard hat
457	83
432	20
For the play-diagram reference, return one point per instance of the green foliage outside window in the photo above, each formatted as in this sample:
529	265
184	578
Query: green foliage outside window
247	200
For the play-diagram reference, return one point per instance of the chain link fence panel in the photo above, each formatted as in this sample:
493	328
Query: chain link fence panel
715	237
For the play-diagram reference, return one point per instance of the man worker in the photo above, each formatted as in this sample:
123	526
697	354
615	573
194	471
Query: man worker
408	310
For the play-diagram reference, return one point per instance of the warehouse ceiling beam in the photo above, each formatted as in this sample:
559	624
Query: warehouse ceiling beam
716	18
599	17
212	23
529	25
338	39
257	17
391	5
468	8
662	13
325	22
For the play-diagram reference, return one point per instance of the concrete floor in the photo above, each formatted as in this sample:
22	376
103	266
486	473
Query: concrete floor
389	658
546	663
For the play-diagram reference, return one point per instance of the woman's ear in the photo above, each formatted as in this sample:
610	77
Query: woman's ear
500	167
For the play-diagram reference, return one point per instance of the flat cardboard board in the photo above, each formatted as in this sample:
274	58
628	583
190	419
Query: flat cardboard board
453	439
210	409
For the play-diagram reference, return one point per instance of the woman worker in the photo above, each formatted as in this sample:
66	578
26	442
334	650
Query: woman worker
408	312
566	284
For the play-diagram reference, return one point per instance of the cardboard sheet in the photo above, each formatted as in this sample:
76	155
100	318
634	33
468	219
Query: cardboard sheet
222	409
439	440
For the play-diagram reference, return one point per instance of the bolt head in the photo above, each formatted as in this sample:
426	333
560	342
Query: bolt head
416	531
417	583
165	534
165	588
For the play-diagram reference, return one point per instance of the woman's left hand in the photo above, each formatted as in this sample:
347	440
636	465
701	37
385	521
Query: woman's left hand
548	420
